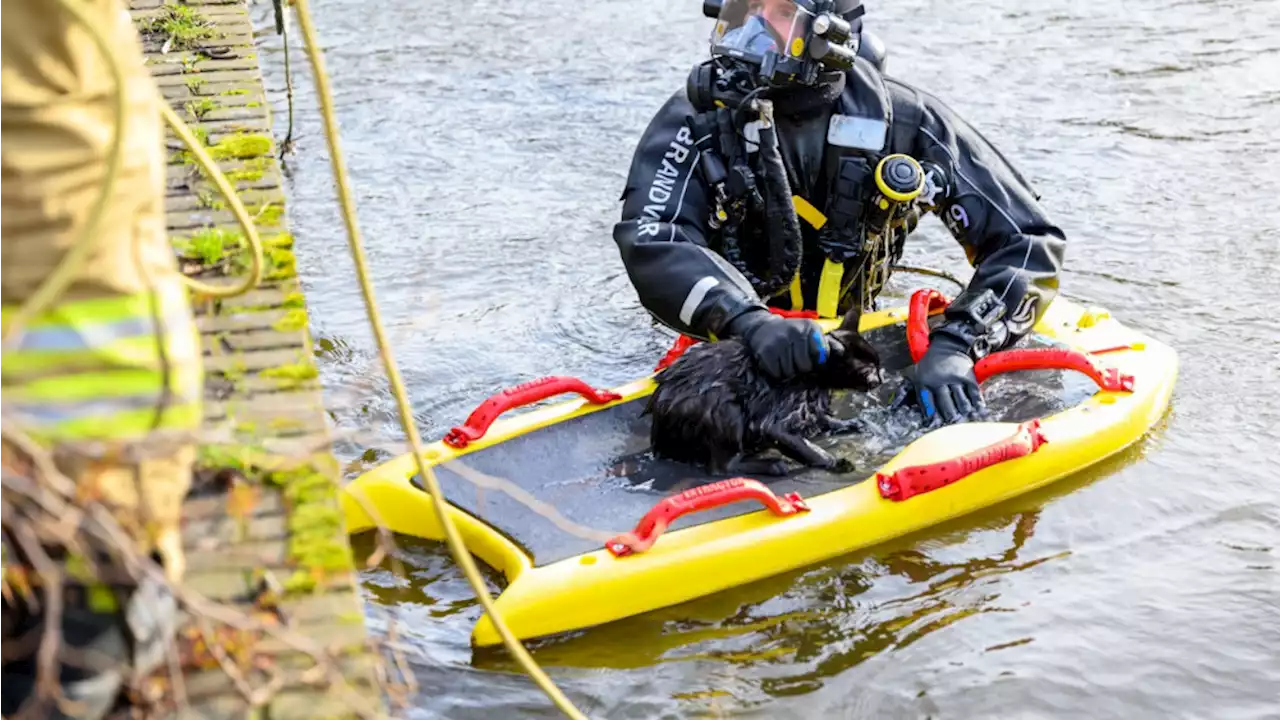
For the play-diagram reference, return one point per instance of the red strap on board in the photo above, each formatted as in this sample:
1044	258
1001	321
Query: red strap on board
482	417
703	497
918	479
684	342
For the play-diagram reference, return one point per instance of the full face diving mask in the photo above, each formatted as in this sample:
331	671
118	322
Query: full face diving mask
790	41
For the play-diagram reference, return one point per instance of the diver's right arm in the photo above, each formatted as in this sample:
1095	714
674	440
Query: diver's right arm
662	238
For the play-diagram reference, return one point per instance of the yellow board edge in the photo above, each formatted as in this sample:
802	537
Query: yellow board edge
596	588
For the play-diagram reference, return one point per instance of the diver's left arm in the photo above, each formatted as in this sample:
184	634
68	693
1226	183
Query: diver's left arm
1015	249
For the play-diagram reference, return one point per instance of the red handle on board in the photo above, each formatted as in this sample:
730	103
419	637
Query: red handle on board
925	301
918	479
703	497
482	417
1108	378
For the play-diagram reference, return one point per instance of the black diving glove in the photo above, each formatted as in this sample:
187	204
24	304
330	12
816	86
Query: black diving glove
782	347
945	385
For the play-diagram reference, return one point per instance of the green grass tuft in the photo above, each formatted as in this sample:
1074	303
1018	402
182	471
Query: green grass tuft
184	24
241	146
199	108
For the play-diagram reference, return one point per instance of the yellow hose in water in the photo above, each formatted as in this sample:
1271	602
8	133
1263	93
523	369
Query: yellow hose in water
460	553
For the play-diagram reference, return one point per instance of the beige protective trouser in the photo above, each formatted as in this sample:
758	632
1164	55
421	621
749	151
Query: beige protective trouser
115	361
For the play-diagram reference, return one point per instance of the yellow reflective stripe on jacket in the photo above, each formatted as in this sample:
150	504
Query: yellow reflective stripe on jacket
121	382
97	311
122	425
88	344
107	367
28	366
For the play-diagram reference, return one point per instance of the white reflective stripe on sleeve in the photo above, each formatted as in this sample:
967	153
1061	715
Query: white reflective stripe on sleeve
695	297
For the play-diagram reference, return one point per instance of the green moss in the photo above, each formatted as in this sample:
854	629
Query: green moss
235	457
194	84
294	300
317	542
235	91
306	487
313	528
300	582
184	25
247	428
282	241
245	175
241	145
199	108
281	424
252	170
208	247
253	104
295	319
200	134
236	371
211	245
207	199
267	215
281	263
297	371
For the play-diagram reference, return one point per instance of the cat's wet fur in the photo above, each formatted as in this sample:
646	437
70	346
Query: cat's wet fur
715	409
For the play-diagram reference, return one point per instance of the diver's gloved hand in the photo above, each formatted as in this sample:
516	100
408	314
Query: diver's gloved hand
782	347
945	385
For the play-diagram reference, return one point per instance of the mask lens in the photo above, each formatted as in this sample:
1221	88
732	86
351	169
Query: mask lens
755	27
798	31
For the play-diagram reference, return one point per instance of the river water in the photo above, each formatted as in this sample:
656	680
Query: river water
488	145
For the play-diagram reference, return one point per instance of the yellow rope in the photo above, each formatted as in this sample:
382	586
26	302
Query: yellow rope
460	553
233	200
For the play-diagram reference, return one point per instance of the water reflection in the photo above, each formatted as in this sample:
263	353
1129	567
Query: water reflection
823	618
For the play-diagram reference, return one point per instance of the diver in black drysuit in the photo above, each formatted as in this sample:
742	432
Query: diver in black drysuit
702	271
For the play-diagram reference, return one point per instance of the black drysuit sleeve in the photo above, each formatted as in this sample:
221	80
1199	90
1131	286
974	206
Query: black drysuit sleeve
662	235
1016	251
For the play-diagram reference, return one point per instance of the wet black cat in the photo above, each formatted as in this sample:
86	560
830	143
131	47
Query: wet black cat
714	408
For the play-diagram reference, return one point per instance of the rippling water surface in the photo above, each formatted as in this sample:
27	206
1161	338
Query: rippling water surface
488	144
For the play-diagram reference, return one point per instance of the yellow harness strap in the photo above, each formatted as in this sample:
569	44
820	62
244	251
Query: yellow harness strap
832	272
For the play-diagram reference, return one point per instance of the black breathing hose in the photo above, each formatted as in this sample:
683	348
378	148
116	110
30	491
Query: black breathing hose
782	226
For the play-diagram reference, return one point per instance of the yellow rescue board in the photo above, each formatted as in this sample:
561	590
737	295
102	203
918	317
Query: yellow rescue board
596	587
